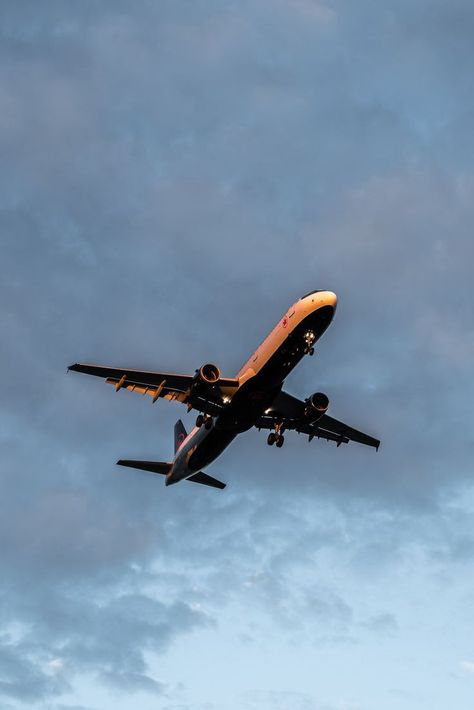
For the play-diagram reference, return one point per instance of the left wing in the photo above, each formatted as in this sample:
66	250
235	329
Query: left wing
289	411
162	384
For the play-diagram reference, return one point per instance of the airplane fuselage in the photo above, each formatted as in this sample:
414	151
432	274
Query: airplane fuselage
260	381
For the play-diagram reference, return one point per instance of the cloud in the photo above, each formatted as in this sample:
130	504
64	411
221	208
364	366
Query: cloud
21	675
468	666
381	623
173	176
290	700
133	682
56	665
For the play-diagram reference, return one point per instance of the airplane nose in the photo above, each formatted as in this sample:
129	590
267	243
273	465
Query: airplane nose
330	299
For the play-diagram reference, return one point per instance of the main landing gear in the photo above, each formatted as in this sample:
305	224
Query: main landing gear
204	419
274	438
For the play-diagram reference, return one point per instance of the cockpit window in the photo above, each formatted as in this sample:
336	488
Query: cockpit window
318	290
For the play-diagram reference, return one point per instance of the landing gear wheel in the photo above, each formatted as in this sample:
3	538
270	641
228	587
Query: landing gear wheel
271	439
311	351
280	441
199	420
208	422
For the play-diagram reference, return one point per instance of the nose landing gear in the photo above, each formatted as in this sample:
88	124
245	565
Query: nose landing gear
309	339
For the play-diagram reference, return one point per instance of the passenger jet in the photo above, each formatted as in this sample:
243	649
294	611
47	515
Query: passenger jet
228	406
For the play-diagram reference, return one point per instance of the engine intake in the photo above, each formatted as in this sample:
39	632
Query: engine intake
209	374
316	406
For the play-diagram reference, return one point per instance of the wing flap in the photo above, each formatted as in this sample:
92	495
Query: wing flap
160	391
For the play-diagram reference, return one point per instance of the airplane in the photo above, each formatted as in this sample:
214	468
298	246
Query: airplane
228	406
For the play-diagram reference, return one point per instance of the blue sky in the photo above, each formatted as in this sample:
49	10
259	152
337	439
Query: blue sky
174	175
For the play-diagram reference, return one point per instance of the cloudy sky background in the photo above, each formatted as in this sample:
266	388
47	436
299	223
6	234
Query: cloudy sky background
173	175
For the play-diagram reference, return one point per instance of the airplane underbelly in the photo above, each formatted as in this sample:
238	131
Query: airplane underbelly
259	391
294	347
210	448
248	405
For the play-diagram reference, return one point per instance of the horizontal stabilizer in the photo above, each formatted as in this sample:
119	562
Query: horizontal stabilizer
153	466
206	480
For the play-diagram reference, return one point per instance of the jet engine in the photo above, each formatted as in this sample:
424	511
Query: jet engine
316	406
208	374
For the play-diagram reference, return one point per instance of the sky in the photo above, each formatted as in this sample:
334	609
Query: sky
173	175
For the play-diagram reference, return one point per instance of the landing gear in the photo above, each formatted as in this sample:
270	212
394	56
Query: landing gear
309	339
203	419
276	437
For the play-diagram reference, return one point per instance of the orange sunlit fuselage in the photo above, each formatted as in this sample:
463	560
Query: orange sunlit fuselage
260	381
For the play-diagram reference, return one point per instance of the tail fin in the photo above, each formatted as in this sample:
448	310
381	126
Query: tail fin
180	434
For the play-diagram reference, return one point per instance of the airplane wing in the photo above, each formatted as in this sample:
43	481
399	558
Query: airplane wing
290	411
327	423
169	386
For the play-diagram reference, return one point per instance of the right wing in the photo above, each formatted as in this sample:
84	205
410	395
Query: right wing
289	411
327	423
161	384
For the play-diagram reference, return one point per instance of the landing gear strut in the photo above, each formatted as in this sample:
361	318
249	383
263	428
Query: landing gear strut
204	419
309	339
276	437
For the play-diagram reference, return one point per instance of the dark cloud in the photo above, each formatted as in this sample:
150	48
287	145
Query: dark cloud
173	175
22	677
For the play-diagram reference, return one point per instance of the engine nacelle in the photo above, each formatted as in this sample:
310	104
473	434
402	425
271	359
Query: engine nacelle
316	406
208	374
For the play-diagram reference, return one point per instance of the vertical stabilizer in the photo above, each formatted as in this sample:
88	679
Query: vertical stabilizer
180	434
